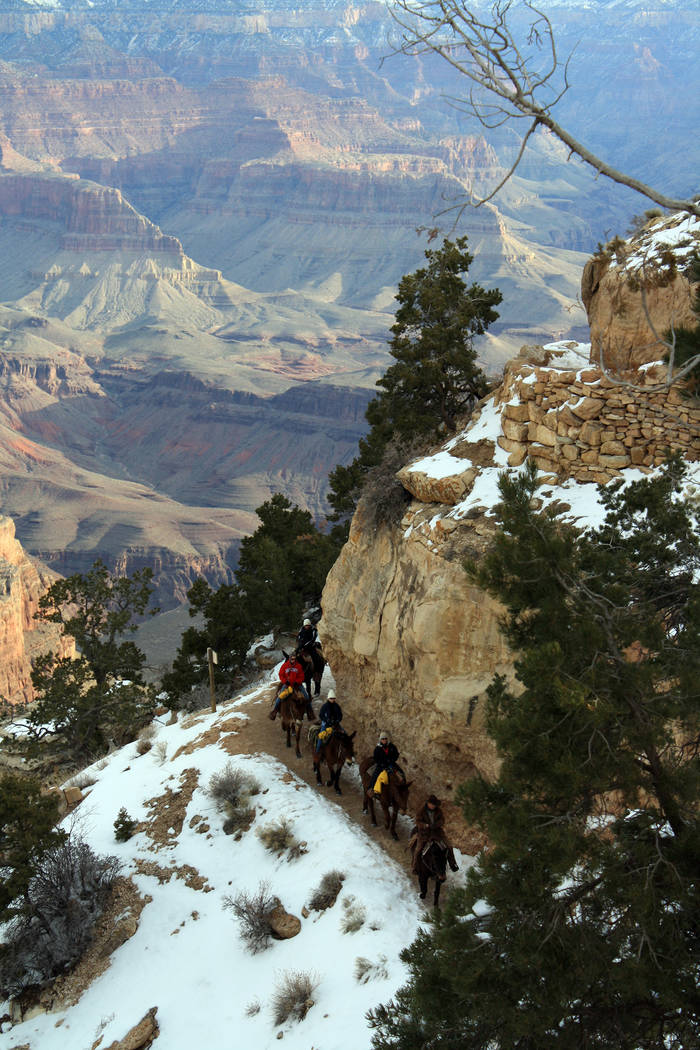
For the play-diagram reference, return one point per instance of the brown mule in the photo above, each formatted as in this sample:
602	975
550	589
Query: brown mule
313	672
338	750
430	862
292	711
393	798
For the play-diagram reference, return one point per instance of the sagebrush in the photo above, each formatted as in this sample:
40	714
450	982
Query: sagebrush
326	893
279	838
253	911
293	999
232	787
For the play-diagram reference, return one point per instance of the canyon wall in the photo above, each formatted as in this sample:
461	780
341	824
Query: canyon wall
412	643
22	638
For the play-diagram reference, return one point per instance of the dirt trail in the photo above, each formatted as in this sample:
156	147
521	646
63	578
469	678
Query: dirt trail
260	734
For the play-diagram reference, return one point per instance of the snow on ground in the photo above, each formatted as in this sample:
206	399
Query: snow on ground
584	501
197	970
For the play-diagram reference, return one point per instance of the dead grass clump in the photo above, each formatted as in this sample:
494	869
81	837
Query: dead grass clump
145	740
239	820
253	911
354	917
279	838
366	970
294	997
232	787
326	893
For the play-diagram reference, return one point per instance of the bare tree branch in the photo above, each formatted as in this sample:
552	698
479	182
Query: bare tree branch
510	79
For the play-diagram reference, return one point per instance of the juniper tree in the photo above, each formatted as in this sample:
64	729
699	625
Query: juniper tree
580	926
27	829
84	701
282	566
435	379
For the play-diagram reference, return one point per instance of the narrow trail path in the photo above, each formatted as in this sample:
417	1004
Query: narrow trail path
262	735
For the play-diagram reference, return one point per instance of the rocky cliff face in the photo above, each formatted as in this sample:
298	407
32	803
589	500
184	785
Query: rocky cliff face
637	292
22	582
413	644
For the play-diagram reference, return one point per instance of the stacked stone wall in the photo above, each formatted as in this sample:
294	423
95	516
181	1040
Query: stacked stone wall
587	426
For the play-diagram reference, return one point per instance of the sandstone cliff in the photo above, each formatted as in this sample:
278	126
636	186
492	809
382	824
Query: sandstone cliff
413	644
22	638
637	291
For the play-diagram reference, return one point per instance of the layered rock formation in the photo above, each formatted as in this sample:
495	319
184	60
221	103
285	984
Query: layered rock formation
637	292
22	638
413	644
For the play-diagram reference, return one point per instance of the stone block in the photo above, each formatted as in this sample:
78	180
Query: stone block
590	456
518	413
516	431
542	434
588	408
616	462
591	433
515	459
637	454
612	448
570	452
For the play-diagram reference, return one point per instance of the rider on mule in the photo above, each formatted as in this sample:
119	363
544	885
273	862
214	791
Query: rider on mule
385	760
291	674
308	642
331	716
430	827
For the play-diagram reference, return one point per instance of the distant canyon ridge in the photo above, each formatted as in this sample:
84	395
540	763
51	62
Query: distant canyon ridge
204	214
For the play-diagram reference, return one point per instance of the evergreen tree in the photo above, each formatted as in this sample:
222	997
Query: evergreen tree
101	693
27	830
580	926
435	379
282	566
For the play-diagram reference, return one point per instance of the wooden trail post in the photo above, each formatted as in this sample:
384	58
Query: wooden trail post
213	659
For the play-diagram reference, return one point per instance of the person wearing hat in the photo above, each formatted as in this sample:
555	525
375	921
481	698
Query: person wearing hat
384	760
308	642
430	826
331	715
291	674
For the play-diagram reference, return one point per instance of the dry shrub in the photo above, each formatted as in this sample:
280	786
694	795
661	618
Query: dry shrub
252	911
294	997
354	917
145	740
366	970
326	893
82	781
279	838
252	1008
160	752
64	900
239	820
231	788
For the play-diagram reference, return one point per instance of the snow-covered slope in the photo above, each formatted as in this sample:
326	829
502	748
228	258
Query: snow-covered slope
187	957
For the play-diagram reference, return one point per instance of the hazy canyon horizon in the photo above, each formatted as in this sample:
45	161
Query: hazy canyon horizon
205	210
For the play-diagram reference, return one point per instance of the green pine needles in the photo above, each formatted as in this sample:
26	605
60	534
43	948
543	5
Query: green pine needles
580	927
435	380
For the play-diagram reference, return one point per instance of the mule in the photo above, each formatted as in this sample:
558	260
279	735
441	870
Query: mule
431	863
292	711
313	670
393	797
337	750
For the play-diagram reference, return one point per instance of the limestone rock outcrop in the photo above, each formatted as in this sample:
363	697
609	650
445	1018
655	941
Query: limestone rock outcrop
22	638
636	291
412	642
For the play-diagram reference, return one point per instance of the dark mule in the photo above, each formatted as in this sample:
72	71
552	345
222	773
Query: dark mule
292	711
393	798
430	863
313	670
337	750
